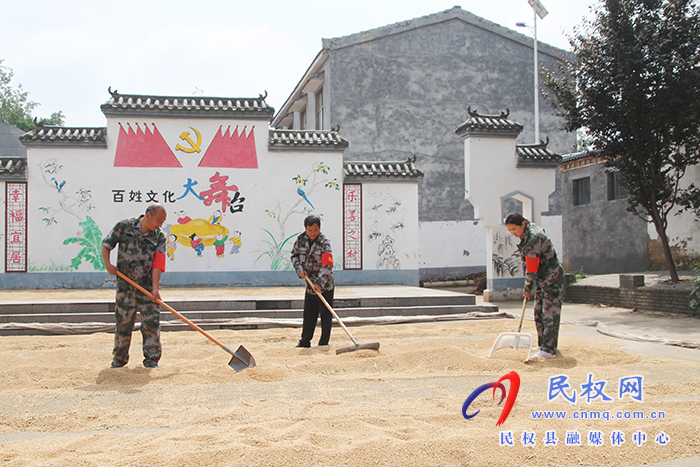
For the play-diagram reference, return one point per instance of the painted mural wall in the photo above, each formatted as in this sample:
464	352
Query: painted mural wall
3	223
232	204
390	226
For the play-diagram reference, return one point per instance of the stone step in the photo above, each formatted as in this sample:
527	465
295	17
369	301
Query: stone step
242	312
223	304
102	317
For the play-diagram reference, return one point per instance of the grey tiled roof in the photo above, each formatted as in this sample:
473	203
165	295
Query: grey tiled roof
306	140
56	136
13	168
186	106
9	140
536	155
377	170
488	124
576	155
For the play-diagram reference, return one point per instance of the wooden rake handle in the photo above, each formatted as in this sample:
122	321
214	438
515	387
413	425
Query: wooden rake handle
172	310
337	318
522	314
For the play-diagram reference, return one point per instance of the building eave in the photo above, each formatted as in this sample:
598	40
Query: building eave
137	105
65	137
381	171
13	169
295	140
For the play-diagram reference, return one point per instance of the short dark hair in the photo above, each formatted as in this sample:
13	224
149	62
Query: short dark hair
515	219
312	220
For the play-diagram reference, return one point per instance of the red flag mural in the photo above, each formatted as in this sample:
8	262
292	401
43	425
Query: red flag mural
235	151
143	149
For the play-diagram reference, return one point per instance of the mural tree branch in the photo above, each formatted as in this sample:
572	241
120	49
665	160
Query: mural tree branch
78	206
635	88
302	205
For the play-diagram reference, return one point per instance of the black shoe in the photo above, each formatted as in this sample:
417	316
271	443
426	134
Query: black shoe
117	363
301	344
323	344
150	364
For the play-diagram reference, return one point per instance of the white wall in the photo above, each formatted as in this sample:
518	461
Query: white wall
272	211
390	226
552	226
452	244
491	174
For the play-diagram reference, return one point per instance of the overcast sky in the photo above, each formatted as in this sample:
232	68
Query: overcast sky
66	53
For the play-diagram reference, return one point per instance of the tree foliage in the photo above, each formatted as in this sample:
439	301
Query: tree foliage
15	106
635	88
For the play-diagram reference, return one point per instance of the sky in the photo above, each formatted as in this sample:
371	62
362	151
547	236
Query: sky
67	53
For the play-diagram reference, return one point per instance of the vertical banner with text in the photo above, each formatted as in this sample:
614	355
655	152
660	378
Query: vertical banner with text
16	227
352	226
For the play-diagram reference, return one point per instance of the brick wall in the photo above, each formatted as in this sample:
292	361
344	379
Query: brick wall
643	299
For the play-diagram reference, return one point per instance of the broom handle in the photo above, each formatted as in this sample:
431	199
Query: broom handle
522	314
171	310
308	281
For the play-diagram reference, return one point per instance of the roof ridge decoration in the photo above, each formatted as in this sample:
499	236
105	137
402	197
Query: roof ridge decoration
305	140
61	136
382	170
140	105
536	155
488	125
455	12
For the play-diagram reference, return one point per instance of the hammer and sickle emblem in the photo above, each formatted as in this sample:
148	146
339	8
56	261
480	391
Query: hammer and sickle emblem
194	147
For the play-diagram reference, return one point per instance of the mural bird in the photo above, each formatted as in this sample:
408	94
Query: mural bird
58	186
303	195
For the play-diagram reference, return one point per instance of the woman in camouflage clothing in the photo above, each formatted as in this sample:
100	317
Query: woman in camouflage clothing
312	257
546	276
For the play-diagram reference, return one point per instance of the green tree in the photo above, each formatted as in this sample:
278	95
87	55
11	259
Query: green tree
15	106
635	88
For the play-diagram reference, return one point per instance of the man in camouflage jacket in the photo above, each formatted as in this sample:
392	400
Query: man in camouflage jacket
141	258
312	257
544	277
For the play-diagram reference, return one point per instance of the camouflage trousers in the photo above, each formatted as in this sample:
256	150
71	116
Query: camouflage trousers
128	303
547	318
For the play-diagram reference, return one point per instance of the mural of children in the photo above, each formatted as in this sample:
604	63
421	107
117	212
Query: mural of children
236	240
219	244
183	218
171	246
197	244
216	218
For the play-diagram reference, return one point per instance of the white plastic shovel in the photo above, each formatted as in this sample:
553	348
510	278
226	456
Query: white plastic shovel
514	340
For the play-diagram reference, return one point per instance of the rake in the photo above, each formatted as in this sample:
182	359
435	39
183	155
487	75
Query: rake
514	340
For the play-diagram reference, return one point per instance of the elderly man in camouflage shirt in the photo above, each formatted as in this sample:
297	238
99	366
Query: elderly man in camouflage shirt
545	277
312	257
141	257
